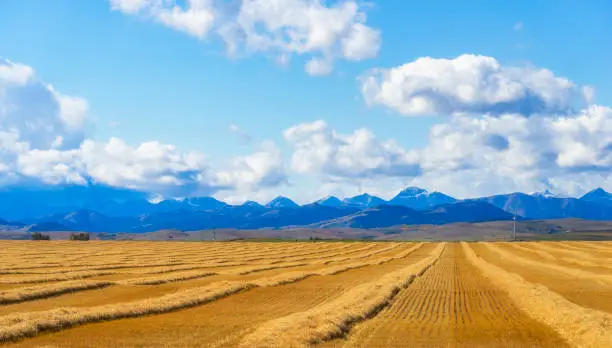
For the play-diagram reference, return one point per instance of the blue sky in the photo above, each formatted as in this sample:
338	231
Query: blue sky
144	80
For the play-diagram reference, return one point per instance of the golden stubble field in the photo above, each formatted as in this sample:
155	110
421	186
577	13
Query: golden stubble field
290	294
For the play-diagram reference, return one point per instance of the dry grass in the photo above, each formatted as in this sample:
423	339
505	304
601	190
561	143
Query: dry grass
581	258
555	267
44	291
54	277
451	305
301	294
579	326
20	325
167	278
334	318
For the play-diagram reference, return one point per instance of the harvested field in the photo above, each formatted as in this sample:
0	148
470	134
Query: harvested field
296	294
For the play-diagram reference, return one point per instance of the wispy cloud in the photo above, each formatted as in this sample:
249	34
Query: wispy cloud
244	137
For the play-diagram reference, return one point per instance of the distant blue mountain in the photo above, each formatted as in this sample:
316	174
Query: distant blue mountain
33	203
98	208
330	201
48	227
364	201
241	216
395	215
598	195
546	207
191	204
252	204
419	199
281	202
18	203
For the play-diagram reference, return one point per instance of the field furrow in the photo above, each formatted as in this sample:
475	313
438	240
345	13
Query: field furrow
579	326
571	258
454	305
585	291
334	318
506	251
298	294
244	310
128	291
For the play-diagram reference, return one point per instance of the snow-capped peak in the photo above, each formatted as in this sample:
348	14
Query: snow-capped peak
413	191
548	194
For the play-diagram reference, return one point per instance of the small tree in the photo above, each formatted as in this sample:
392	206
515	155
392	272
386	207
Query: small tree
40	236
79	236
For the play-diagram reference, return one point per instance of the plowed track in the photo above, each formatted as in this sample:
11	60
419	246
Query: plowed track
148	294
452	304
586	291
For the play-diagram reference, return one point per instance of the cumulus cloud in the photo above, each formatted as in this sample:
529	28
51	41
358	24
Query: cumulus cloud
588	93
321	150
362	42
508	127
35	113
584	141
42	139
466	156
14	73
318	67
313	28
252	175
151	166
468	84
490	155
131	6
195	18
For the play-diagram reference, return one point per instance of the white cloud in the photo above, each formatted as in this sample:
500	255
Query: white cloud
533	154
52	166
361	43
42	139
319	67
510	128
131	6
468	84
11	73
195	17
261	169
196	20
320	150
467	156
244	137
584	140
588	93
35	113
151	166
322	32
73	110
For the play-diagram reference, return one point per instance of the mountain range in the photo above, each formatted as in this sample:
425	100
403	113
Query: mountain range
97	208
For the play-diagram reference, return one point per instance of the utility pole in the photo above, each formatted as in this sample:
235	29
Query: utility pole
514	226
